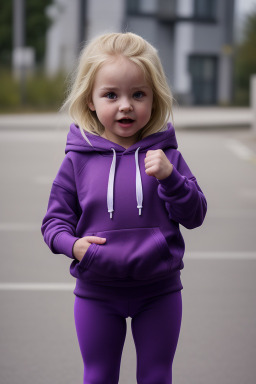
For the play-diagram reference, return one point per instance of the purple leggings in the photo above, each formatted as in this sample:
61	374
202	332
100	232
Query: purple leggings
101	330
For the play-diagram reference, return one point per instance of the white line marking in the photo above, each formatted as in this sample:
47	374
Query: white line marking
20	227
37	286
201	255
231	214
211	214
240	150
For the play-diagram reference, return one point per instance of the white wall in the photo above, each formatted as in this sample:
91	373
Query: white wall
104	16
185	8
62	36
183	47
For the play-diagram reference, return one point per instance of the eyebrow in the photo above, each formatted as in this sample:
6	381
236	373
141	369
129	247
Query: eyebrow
141	87
107	88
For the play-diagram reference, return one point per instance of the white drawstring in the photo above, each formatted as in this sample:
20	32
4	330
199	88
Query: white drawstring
111	178
139	191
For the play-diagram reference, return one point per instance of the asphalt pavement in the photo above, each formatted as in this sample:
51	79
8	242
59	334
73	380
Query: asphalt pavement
218	336
184	117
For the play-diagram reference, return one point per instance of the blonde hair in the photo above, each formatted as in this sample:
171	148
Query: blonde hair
94	55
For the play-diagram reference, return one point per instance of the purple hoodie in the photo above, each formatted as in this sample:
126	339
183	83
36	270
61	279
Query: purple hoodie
102	189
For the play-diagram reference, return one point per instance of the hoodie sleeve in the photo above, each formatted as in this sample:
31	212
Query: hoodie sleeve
59	223
185	201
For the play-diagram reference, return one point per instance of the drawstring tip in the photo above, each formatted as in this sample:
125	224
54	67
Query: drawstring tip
111	215
139	211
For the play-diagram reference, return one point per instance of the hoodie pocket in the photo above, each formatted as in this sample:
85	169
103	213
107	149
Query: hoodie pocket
137	254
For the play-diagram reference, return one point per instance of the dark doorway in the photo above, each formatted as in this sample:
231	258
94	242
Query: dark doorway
203	70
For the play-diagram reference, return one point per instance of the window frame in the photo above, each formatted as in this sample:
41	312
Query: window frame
211	10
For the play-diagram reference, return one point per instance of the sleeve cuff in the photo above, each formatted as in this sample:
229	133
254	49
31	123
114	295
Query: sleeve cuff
63	243
172	183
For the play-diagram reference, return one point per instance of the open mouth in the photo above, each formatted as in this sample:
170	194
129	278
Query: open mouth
125	121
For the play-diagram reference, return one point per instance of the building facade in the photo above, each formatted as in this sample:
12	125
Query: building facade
194	39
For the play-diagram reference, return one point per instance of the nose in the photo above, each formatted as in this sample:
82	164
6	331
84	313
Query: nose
125	105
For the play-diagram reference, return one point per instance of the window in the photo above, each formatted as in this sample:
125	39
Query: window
205	9
203	70
146	7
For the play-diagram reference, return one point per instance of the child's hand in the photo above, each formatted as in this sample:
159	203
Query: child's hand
81	245
157	164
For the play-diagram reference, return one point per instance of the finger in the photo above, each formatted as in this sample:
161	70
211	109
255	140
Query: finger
96	239
151	171
156	159
150	153
154	155
150	164
152	158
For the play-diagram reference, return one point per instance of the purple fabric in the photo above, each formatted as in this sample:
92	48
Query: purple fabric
139	249
101	331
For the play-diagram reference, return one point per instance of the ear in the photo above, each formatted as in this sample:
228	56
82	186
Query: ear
91	106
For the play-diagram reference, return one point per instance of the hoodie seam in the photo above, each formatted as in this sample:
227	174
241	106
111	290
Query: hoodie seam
66	189
81	169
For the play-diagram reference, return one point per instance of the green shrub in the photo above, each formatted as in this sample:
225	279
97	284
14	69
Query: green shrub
245	60
37	93
44	92
9	92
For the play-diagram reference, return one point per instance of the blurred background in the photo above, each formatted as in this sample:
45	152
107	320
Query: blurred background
208	50
207	47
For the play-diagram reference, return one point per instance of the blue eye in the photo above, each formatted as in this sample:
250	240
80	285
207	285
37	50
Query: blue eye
138	95
111	96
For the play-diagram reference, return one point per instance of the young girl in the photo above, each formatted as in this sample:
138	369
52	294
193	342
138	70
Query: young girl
115	209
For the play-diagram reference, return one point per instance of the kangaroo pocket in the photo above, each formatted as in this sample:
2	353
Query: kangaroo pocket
136	254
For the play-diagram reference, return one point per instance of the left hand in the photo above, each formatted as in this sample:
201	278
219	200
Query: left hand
157	164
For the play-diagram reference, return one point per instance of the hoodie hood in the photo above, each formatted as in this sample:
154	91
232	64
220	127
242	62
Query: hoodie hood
79	141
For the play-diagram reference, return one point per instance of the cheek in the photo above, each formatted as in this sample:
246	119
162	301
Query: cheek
104	112
145	113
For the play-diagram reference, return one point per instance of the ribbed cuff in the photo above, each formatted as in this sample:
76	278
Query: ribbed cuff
63	243
172	183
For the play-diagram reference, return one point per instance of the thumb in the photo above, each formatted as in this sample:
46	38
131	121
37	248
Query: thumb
96	239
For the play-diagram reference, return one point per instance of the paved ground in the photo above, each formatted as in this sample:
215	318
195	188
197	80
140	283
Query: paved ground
218	337
184	117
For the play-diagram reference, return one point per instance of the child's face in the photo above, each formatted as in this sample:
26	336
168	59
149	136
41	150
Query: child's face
122	99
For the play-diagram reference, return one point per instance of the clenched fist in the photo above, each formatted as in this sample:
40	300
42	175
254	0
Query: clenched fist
157	164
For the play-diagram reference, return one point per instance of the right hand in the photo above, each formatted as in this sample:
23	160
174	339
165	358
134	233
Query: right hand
81	245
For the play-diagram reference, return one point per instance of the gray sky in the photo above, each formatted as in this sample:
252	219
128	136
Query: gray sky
244	6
